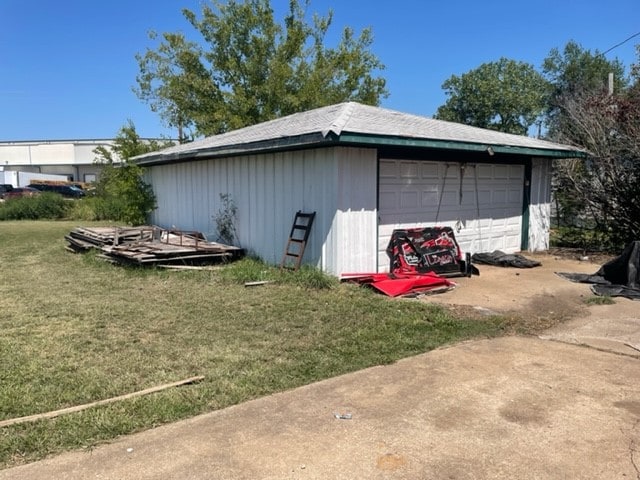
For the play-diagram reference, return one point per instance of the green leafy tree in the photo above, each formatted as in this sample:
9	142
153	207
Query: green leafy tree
247	67
506	95
121	191
576	72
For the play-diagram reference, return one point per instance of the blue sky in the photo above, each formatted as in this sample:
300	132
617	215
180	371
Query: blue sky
67	68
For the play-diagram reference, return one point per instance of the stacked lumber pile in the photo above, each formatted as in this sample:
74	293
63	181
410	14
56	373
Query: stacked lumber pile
82	239
151	246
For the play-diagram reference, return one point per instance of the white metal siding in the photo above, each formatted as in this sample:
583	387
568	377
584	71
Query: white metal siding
540	205
339	184
481	202
356	221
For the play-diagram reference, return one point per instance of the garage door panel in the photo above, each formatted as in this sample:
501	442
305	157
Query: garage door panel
499	196
409	200
468	198
515	196
429	198
430	171
501	172
387	170
388	201
411	195
484	198
485	172
409	170
449	197
516	172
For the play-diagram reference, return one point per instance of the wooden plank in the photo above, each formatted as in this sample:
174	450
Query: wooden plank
184	258
79	408
190	267
256	284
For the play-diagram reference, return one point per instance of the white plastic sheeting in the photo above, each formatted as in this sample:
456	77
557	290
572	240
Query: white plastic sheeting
540	205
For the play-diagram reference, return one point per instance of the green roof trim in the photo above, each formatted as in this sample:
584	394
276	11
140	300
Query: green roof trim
358	138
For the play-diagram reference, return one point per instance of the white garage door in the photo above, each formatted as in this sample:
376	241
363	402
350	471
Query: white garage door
481	202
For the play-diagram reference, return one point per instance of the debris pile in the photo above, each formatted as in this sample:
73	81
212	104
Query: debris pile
82	239
619	277
150	245
420	258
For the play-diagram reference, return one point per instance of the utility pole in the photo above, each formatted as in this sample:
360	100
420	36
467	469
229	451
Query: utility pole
610	83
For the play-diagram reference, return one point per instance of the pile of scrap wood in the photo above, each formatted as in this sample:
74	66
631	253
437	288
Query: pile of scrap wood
150	246
81	239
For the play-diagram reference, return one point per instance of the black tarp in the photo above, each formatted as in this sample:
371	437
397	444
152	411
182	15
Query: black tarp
619	277
501	259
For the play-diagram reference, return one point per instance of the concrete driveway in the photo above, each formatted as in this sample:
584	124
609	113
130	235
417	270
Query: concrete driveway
511	407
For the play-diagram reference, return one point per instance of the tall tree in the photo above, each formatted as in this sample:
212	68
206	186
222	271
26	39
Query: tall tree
576	72
505	95
248	68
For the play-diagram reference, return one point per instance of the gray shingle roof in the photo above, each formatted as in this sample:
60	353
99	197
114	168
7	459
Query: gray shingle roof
351	118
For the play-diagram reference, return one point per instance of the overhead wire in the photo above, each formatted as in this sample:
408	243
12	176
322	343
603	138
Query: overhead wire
621	43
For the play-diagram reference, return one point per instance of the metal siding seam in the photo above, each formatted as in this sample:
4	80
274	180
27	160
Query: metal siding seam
526	203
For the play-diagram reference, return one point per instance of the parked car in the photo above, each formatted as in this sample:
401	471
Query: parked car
4	188
68	191
21	192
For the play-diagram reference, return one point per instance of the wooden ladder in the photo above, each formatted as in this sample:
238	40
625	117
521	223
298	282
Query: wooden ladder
297	242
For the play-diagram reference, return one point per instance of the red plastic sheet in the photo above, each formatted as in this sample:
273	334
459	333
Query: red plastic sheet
395	285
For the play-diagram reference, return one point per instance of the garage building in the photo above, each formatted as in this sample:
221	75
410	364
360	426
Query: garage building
365	171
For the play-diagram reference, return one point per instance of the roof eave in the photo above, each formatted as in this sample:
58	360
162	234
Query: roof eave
317	139
364	139
277	144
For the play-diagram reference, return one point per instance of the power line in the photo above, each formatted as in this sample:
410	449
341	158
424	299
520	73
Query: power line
621	43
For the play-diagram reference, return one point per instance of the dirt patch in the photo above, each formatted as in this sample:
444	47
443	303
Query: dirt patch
592	256
535	298
537	301
390	462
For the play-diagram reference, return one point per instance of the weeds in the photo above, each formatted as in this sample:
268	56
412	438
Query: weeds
600	300
253	270
226	219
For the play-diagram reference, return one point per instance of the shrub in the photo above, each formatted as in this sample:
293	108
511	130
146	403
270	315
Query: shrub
83	209
122	194
45	206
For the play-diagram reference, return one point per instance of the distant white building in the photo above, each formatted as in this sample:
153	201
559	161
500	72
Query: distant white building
75	159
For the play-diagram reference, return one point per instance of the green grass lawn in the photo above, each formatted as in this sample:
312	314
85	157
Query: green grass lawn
74	329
